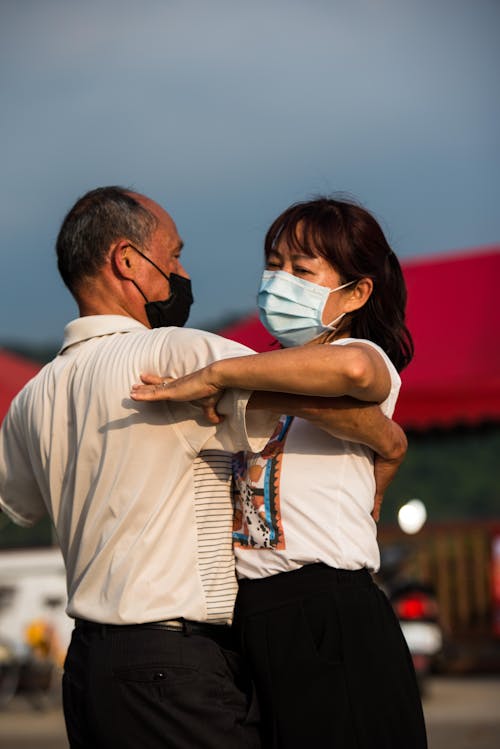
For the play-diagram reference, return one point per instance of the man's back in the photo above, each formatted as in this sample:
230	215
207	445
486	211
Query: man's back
139	494
119	479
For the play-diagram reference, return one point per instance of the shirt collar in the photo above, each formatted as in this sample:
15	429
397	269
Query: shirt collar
94	326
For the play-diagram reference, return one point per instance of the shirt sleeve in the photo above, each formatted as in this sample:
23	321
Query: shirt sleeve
242	429
20	497
389	404
190	350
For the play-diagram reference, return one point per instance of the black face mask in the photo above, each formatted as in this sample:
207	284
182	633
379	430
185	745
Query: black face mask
175	309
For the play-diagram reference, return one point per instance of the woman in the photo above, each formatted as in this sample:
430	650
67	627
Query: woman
326	651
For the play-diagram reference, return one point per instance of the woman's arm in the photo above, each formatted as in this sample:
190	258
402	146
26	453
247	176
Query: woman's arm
342	417
350	420
355	369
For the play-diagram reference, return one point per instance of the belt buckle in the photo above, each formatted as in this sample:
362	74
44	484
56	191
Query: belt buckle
174	624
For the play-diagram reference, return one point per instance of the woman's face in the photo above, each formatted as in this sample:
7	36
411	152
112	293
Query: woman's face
313	269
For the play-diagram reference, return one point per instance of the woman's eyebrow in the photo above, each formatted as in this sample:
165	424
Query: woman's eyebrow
302	256
294	255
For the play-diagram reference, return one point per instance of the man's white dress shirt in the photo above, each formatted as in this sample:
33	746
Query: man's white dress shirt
139	493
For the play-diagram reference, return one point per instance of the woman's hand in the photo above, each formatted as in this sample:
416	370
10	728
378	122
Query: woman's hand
197	387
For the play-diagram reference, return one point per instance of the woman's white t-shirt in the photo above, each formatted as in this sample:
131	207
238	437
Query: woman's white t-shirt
307	497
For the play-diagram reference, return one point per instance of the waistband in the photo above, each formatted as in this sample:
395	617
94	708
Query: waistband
221	633
267	592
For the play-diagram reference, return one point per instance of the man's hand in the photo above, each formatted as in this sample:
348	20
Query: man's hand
385	469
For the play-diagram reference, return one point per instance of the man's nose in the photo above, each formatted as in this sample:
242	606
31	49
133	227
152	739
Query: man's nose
181	271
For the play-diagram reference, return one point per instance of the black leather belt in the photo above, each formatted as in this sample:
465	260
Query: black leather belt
221	633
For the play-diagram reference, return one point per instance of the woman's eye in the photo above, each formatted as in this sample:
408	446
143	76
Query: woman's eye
271	265
302	270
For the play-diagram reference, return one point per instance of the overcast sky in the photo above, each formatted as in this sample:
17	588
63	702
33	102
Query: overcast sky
227	111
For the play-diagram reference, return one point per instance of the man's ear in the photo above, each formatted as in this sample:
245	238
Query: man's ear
360	294
122	259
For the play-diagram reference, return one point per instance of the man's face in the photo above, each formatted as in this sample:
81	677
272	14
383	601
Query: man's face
164	249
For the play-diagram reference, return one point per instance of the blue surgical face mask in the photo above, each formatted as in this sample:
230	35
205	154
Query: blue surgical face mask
292	309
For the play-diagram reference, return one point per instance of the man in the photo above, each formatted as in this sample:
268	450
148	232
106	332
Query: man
139	493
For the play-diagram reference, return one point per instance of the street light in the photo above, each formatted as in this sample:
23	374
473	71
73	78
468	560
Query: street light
412	516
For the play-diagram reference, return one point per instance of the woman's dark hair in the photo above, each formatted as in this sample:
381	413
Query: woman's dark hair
96	220
351	240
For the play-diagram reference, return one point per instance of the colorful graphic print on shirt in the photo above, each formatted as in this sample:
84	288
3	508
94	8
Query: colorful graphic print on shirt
257	519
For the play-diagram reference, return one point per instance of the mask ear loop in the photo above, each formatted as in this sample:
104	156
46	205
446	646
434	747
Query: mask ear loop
333	324
344	285
154	266
140	291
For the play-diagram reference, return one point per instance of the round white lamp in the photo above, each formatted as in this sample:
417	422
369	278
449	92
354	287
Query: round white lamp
412	516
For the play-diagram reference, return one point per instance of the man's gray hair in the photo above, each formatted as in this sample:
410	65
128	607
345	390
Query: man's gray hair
97	219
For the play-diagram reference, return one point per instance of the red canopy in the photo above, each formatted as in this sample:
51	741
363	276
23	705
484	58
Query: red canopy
454	317
15	371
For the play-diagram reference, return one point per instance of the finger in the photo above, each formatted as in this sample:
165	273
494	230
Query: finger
212	415
150	392
376	509
144	395
151	379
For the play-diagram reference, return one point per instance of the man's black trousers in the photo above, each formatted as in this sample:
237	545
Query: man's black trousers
143	686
